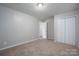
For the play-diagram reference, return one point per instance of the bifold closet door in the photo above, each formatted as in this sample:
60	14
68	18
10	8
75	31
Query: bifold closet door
65	30
70	30
60	30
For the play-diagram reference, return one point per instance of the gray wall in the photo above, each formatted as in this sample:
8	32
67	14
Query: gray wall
72	13
16	27
50	28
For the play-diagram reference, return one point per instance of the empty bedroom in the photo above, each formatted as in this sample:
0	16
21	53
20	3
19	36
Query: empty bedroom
39	29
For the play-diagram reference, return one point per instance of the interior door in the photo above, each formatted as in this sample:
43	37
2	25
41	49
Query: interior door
60	30
43	29
70	30
65	30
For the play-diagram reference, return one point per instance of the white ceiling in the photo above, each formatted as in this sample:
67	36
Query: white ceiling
49	9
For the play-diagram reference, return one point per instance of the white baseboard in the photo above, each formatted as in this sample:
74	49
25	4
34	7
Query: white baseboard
18	44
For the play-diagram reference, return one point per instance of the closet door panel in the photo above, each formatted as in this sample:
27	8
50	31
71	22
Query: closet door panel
65	30
60	30
70	30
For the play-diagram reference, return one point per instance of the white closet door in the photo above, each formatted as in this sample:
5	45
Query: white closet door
60	30
65	30
70	30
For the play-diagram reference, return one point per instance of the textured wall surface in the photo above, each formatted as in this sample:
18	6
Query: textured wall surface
16	27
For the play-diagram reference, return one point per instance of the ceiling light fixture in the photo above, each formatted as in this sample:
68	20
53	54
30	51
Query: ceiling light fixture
40	5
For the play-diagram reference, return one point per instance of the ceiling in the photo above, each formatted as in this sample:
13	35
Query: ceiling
48	10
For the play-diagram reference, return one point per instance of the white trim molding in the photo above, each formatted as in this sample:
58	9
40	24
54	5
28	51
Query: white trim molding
18	44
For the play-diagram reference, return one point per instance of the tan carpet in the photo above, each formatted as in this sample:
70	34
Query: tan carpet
41	48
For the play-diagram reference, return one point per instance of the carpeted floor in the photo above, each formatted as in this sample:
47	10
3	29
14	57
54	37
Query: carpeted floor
41	48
